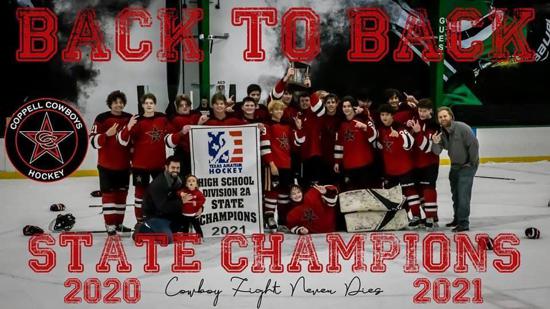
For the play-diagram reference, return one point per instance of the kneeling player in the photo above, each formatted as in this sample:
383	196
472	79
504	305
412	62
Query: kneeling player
312	211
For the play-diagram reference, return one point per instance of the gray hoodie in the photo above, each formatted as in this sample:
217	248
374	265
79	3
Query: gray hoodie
461	144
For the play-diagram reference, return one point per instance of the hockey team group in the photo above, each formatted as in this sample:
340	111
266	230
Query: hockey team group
313	145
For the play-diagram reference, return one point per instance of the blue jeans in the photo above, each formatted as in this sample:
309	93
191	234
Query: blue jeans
462	180
157	225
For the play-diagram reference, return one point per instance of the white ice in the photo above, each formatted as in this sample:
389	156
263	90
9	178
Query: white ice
498	206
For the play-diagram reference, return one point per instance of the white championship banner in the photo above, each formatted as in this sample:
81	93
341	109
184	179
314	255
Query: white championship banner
226	160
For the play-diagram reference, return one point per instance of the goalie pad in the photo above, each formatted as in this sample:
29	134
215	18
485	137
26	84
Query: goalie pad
376	221
371	200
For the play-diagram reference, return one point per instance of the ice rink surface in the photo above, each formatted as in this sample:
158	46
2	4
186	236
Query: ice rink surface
498	206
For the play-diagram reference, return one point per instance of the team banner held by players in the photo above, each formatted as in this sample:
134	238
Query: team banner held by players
226	160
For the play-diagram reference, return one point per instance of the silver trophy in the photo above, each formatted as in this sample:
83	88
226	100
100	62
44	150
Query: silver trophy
301	74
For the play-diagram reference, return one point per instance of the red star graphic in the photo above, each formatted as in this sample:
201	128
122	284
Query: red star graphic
309	215
388	145
46	140
283	141
349	136
155	134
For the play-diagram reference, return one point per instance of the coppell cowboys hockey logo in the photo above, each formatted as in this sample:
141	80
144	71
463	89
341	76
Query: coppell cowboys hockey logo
46	140
225	151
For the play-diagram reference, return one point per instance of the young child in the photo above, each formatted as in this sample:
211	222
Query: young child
193	201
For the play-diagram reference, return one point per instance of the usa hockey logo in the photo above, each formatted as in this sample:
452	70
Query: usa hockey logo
225	151
46	140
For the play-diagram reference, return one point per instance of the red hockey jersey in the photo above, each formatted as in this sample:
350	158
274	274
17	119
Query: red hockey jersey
404	113
278	90
148	138
366	115
226	121
422	153
261	113
258	118
312	123
190	208
111	155
316	212
277	94
329	130
396	152
276	141
180	121
353	148
290	113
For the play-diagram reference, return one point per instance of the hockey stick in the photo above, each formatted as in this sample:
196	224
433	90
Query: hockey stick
99	205
499	178
104	231
122	234
90	231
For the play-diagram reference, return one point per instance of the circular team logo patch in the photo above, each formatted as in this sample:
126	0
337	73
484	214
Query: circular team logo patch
46	139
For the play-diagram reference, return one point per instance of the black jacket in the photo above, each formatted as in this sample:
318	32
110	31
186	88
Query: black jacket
161	199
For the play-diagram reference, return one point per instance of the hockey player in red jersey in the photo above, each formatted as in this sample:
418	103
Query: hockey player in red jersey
353	151
248	112
311	112
275	146
403	111
426	163
219	115
364	107
183	117
330	124
148	135
282	92
255	92
366	110
396	144
113	161
312	211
